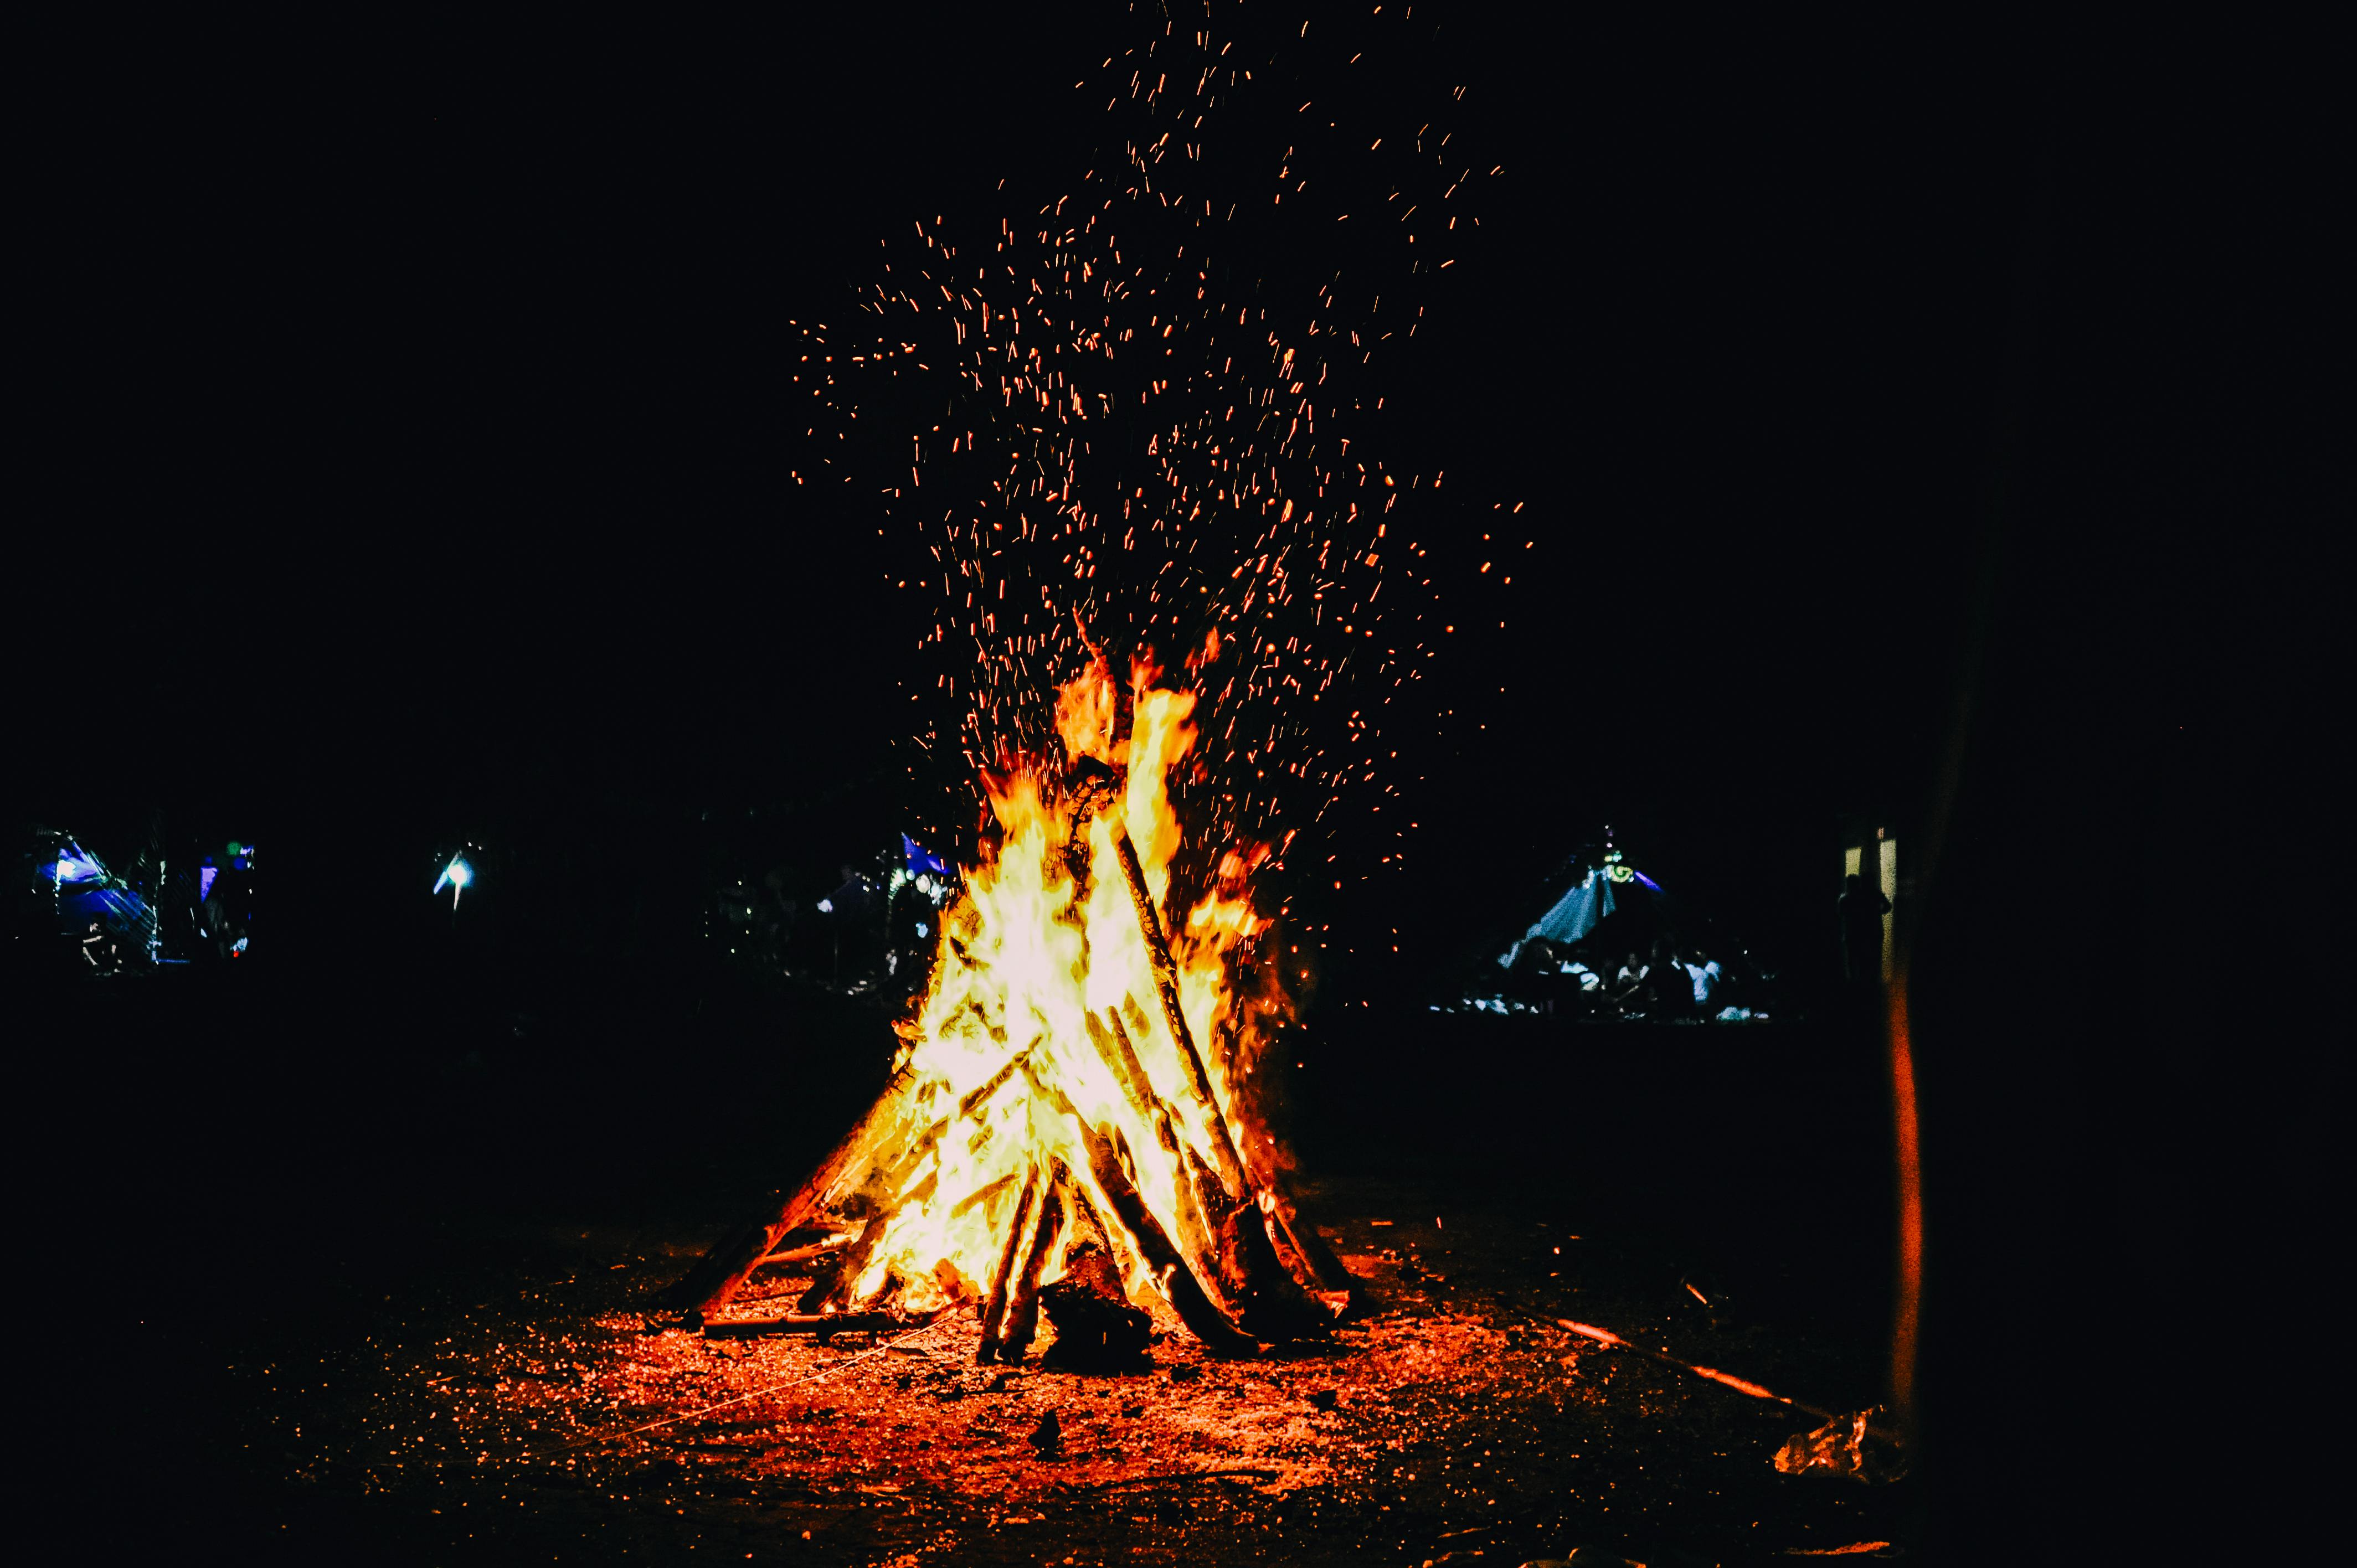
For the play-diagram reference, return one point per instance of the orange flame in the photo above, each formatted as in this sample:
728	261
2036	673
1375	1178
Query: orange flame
1086	712
1043	1012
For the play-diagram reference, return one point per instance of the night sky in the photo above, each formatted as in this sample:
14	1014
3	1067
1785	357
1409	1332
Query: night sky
411	455
427	445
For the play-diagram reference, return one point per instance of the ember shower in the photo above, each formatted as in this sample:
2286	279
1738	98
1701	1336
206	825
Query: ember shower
1137	451
1140	413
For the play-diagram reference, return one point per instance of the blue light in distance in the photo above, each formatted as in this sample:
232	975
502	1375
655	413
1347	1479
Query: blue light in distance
456	877
78	865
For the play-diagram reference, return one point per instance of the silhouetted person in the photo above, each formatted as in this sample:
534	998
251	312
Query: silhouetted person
1669	988
1862	909
1705	972
228	912
856	918
1629	984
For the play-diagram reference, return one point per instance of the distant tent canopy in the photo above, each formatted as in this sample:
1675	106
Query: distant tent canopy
82	891
921	861
1586	905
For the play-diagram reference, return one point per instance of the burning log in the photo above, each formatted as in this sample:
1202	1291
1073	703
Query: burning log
1178	1282
1318	1259
993	1314
833	1288
804	1254
1095	785
1112	1042
1166	986
722	1271
1041	1146
1270	1298
1258	1281
1111	1243
1196	1200
1181	1283
1023	1301
1198	1197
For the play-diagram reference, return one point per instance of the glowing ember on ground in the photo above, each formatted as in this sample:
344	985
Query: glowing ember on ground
1461	1416
926	1415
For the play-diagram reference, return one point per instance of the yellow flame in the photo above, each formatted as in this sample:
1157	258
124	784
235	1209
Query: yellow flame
1048	973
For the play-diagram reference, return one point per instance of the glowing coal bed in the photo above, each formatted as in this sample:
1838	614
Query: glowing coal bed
547	1409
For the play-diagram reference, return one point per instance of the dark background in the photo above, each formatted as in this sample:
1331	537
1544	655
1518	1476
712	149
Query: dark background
404	463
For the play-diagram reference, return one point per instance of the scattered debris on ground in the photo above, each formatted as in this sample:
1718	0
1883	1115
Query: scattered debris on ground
1454	1419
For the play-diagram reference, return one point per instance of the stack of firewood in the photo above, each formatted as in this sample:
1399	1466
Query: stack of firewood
1237	1266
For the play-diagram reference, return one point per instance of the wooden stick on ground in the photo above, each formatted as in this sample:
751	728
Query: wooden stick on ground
820	1324
1606	1337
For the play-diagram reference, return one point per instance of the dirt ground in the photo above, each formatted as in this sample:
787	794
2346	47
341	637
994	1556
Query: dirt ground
523	1402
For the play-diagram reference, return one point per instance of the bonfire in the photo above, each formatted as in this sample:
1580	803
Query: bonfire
1071	1120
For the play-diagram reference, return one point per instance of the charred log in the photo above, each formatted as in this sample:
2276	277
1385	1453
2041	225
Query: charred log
1097	1329
831	1289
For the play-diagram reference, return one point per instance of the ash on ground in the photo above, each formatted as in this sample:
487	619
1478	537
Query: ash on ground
542	1402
